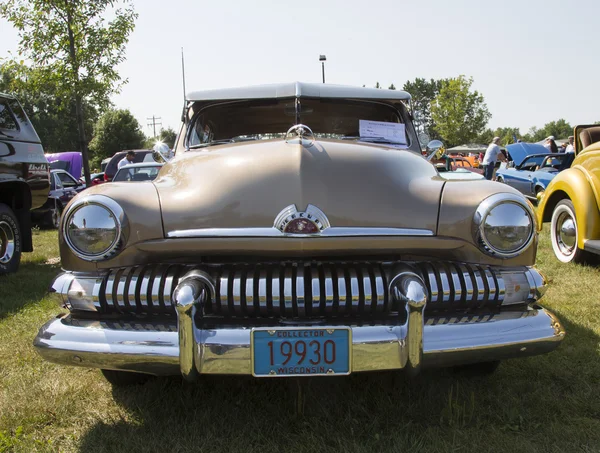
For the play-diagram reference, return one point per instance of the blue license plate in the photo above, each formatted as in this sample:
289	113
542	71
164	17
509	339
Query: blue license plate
301	352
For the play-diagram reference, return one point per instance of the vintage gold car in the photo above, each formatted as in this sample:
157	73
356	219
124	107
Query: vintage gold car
571	200
297	231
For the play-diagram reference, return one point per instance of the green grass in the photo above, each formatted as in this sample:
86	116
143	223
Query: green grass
548	403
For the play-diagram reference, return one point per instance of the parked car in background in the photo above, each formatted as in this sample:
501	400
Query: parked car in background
451	166
141	155
63	187
95	179
532	168
24	182
322	249
70	161
571	204
104	163
146	171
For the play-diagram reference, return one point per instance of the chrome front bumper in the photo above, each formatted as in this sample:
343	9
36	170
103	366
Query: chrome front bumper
155	348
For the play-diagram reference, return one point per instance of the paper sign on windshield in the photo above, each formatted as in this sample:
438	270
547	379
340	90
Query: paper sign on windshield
394	132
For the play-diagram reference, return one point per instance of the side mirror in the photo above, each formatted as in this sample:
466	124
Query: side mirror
510	164
161	152
435	149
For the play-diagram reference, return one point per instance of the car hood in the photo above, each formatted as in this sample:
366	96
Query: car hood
519	151
247	185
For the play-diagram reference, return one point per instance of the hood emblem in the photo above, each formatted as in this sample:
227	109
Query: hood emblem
293	222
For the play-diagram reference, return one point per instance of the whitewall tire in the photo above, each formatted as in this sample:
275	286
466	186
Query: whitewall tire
564	233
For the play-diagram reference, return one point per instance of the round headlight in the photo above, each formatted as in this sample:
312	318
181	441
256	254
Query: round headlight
92	227
504	225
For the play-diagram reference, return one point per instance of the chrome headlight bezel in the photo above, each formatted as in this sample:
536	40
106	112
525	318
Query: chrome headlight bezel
483	211
120	224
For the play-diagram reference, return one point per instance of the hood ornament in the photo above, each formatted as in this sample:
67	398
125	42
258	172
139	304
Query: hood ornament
300	133
293	222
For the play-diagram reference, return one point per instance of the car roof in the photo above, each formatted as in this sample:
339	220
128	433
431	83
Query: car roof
143	164
298	89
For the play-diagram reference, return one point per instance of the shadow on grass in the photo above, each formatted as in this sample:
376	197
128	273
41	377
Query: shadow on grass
544	403
27	286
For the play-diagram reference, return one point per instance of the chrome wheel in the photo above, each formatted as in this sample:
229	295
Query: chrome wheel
7	242
564	233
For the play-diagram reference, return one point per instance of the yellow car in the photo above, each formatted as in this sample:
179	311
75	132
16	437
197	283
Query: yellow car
571	201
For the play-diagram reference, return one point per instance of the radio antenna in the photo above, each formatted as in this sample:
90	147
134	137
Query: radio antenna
183	82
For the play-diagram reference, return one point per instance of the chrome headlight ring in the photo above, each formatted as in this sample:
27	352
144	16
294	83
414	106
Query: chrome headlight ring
512	212
102	211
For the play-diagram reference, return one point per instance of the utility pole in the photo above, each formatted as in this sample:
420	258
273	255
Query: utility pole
154	123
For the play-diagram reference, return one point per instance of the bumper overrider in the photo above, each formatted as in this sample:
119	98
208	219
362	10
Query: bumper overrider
186	345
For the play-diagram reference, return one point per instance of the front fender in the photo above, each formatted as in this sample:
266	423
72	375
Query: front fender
572	184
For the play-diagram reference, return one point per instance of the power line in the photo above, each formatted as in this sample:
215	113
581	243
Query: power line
154	123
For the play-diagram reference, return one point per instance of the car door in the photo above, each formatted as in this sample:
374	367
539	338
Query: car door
522	175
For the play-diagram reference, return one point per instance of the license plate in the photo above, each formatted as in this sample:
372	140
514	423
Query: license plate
300	352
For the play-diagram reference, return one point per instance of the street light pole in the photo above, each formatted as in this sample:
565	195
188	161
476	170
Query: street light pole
323	59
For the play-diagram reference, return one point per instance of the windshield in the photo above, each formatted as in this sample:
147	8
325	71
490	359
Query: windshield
271	118
137	174
60	165
532	163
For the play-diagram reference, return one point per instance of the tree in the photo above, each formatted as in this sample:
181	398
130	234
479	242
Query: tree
167	136
115	131
52	115
559	129
459	113
507	135
423	93
74	44
392	87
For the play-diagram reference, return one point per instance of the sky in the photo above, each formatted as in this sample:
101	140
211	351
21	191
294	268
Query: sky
534	61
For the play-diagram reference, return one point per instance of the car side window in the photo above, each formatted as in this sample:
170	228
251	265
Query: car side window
7	120
66	180
57	181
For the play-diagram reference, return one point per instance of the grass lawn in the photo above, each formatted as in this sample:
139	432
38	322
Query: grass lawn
548	403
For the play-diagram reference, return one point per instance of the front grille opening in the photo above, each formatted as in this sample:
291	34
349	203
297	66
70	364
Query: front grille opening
299	290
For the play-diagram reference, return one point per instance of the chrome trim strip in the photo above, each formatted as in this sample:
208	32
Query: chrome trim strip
262	291
316	289
274	232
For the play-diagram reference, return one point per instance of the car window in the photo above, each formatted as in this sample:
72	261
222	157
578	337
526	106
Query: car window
531	163
57	181
66	180
60	165
7	120
137	174
267	119
553	161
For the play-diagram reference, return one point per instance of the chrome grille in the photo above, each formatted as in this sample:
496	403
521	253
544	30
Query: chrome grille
299	290
144	289
458	285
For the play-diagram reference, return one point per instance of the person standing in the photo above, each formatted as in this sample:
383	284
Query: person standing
551	144
128	159
492	154
570	147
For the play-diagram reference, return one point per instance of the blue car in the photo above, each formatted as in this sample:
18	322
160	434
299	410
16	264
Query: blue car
532	168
